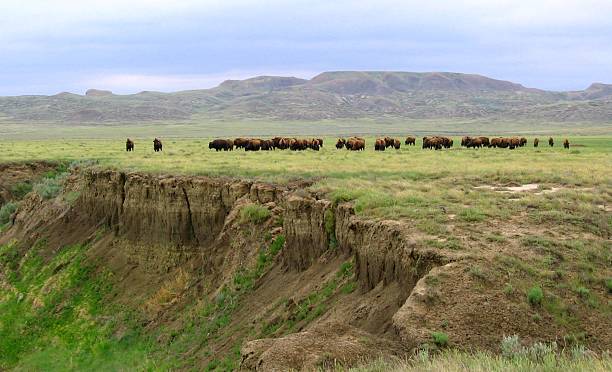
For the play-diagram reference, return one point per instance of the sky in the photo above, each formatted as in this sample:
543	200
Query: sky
127	46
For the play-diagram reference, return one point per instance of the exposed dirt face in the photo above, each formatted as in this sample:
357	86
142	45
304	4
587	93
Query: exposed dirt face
170	240
13	174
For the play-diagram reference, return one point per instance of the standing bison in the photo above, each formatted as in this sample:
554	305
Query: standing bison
355	144
379	145
340	143
551	142
536	142
566	144
129	145
221	144
157	145
410	141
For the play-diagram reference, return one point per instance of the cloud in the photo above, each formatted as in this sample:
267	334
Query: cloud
195	40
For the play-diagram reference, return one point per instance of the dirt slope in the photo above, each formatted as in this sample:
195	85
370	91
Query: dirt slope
340	289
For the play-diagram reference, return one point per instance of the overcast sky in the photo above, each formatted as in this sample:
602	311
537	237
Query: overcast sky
131	45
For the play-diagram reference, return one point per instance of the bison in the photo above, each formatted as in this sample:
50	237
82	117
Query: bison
410	141
380	145
355	144
536	142
221	144
129	145
396	144
566	144
340	143
241	143
253	145
551	142
157	145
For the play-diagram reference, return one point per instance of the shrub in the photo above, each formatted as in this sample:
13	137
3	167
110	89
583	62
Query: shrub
440	338
49	188
609	285
535	295
254	213
583	292
511	347
21	189
6	211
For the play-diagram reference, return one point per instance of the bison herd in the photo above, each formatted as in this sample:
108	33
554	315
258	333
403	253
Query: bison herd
357	143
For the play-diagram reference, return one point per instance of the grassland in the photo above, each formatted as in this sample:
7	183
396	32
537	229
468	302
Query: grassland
554	237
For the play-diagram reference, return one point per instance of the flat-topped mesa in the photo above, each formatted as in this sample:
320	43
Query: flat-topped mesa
98	93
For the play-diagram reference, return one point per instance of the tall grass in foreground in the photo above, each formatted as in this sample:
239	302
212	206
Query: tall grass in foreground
452	360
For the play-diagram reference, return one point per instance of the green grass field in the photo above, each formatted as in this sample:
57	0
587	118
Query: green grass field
383	183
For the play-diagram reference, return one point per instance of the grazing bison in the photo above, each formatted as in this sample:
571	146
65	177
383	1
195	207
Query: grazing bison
221	144
340	143
536	142
566	144
253	145
355	144
485	141
320	140
551	142
396	144
523	141
465	140
129	145
473	143
267	145
380	145
410	141
241	143
157	145
432	143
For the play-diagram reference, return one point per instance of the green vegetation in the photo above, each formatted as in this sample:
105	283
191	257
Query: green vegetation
6	211
254	213
21	189
440	339
514	357
330	227
535	295
49	312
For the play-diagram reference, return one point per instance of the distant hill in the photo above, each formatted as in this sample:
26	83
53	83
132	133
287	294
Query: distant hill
341	94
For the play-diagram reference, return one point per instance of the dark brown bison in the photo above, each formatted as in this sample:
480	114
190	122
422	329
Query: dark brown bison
410	141
465	140
340	143
566	144
485	141
129	145
267	145
495	142
551	142
253	145
241	143
536	142
523	141
396	144
221	144
157	145
474	143
320	140
432	143
355	144
380	145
